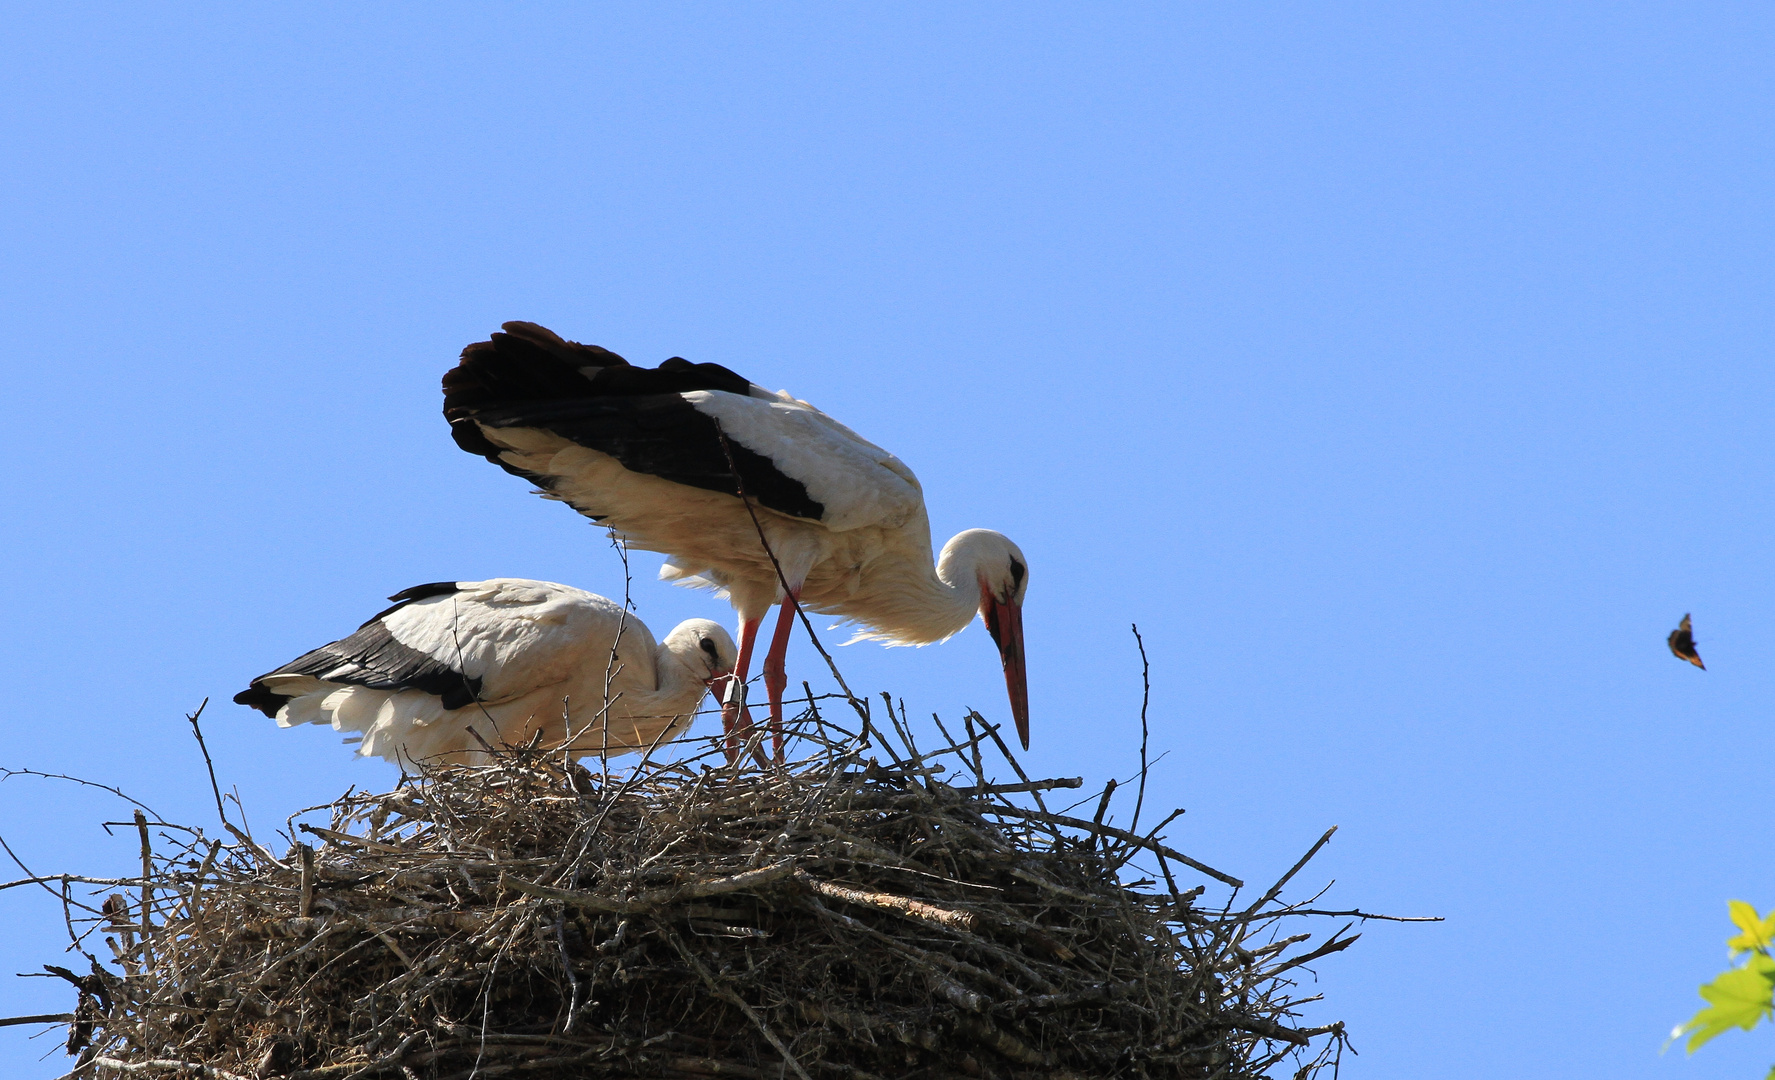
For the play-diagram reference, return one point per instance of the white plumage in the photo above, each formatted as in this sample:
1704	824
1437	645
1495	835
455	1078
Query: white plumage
859	484
509	658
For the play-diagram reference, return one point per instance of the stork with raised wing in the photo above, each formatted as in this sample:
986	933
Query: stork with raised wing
511	659
698	463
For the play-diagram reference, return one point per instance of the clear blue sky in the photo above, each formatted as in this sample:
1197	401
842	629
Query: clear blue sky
1402	370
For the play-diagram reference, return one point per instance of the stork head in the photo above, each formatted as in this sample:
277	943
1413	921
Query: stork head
703	647
998	567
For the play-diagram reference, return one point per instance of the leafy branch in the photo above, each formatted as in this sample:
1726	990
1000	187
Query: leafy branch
1745	992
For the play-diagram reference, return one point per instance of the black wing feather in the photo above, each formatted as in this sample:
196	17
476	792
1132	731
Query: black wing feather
530	378
372	658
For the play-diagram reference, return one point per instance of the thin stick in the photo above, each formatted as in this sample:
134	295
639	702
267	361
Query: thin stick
246	837
1127	850
788	595
68	915
1353	913
41	879
7	774
46	1018
33	878
567	968
1146	689
209	861
610	670
1119	834
992	729
197	730
147	890
1011	789
462	666
979	766
1276	889
1333	944
305	856
900	728
1109	789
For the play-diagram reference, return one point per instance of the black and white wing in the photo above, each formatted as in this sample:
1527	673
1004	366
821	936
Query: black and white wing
666	422
462	642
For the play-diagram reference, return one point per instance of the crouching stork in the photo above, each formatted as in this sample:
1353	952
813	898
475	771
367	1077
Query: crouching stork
508	658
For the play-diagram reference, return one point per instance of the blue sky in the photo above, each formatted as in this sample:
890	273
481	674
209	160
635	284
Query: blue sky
1400	369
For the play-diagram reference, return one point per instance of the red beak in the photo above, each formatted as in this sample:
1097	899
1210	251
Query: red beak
1004	620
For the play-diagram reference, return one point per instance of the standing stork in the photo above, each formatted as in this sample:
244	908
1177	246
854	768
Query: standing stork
509	658
696	462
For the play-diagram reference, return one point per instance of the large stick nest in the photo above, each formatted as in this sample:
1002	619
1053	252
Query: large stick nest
840	917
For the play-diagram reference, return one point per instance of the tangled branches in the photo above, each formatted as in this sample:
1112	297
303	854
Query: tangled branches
839	917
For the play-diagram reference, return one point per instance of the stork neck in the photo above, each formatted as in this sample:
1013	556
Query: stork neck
945	600
961	593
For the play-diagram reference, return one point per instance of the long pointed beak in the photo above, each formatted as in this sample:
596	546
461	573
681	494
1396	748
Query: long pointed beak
1005	622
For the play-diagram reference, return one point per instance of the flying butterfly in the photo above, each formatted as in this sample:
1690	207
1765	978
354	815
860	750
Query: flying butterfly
1682	643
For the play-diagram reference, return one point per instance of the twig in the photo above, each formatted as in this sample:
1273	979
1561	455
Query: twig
610	668
1029	785
46	1018
647	901
1109	790
346	838
1146	689
1276	889
305	858
197	731
1119	834
1363	915
1269	1029
788	594
1334	944
567	969
7	774
899	905
44	879
1016	766
1126	851
165	1065
147	891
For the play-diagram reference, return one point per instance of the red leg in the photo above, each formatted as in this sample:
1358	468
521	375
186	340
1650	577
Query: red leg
776	677
736	719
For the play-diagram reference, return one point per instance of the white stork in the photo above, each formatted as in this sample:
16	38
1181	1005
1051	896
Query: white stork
507	657
663	455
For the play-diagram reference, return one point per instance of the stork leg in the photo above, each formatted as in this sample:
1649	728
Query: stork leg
776	677
736	719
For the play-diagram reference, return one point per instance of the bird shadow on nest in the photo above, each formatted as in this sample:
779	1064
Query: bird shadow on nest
869	909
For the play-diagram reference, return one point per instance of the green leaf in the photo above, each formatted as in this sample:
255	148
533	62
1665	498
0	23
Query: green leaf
1758	931
1737	998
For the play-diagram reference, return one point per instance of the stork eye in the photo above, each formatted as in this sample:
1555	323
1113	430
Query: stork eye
709	647
1017	572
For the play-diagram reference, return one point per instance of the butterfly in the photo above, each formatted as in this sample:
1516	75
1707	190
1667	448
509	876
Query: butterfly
1682	643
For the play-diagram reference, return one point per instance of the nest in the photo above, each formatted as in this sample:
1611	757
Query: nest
869	911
